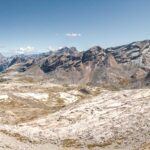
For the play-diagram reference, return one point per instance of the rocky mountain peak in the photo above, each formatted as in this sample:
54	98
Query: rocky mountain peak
66	51
92	54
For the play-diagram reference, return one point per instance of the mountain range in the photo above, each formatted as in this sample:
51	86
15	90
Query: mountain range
122	66
67	99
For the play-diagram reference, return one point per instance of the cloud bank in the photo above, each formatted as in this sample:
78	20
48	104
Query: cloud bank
27	49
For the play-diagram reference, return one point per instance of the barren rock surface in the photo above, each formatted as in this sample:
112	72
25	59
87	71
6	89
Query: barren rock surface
111	120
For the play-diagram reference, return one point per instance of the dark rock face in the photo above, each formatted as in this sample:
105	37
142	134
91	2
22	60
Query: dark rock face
135	52
93	54
3	62
122	65
62	61
17	60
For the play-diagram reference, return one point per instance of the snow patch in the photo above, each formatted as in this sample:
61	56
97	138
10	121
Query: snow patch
37	96
68	98
4	97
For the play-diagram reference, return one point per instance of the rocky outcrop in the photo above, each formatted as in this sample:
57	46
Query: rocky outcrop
63	61
93	54
136	52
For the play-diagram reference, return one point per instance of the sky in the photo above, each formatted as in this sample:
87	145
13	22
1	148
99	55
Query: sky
33	26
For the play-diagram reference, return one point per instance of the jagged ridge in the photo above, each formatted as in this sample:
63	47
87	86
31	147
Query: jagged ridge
122	65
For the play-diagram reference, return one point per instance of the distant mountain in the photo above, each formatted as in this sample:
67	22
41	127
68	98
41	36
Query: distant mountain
126	65
66	51
3	62
2	58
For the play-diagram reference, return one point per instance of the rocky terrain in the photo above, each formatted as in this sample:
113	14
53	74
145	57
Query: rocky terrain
97	99
73	117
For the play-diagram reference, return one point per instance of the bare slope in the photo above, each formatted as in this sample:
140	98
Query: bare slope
111	120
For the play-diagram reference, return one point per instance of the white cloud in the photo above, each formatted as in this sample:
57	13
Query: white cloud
27	49
73	34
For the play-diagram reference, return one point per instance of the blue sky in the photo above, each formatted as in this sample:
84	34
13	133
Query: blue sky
39	25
